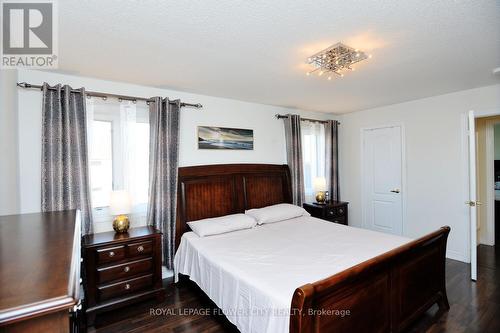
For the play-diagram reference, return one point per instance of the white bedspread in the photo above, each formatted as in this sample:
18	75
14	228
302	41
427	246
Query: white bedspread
252	274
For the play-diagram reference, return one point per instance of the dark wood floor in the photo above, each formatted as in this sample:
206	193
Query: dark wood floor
475	307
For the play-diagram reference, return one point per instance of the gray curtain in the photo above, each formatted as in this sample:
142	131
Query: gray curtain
65	175
163	160
294	157
332	159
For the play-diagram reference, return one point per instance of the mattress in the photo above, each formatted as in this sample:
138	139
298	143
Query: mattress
251	274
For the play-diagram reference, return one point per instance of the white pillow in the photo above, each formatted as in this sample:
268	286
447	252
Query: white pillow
276	213
223	224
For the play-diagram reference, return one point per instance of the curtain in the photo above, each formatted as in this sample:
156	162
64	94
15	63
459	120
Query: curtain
313	155
332	159
293	140
134	125
163	160
65	177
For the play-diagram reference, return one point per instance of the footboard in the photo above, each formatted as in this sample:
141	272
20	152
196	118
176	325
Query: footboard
384	294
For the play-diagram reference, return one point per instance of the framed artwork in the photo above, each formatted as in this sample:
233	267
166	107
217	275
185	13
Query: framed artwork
210	137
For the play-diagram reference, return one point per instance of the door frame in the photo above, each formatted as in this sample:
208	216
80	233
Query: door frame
403	172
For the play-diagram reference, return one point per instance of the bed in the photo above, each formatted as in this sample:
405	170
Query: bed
303	274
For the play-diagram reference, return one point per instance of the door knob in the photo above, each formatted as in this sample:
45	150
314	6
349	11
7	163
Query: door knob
396	190
473	203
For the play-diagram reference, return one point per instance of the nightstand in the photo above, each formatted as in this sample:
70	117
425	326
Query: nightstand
334	211
121	269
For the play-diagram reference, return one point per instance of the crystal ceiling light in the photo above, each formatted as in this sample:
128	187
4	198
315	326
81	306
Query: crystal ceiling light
335	59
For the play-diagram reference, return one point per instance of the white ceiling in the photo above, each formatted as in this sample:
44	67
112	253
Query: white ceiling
256	50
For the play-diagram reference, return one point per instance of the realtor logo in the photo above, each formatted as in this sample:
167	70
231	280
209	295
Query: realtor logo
29	34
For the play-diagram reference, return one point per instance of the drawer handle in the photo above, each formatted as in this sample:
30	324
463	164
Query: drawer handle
140	248
111	253
127	286
126	269
341	210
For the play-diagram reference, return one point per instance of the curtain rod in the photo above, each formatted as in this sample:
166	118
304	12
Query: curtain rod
105	95
282	116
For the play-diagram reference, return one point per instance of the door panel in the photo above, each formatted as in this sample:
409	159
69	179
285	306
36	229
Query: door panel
382	179
472	194
382	211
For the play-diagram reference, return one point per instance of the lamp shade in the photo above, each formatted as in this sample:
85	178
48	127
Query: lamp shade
319	184
120	203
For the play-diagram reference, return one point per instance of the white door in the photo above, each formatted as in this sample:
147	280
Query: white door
382	179
472	195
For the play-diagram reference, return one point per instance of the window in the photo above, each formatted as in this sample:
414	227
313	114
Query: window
313	155
101	163
119	154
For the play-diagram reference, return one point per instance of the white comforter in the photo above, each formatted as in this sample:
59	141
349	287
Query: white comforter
252	274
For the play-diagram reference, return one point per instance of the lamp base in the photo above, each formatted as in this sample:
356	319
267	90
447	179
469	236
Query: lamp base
320	197
121	224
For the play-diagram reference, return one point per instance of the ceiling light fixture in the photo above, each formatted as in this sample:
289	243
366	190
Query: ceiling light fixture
335	59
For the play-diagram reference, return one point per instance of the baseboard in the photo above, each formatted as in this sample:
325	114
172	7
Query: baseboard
166	273
455	255
489	242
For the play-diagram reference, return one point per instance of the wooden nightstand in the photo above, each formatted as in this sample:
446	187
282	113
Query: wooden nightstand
121	269
334	211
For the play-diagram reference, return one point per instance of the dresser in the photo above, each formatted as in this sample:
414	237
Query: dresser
334	211
39	271
121	269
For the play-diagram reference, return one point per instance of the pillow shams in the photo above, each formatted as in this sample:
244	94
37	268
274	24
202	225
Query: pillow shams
276	213
222	224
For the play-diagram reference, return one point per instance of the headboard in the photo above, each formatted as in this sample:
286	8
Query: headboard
215	190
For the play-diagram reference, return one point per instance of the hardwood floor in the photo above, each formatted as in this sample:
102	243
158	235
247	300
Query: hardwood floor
475	307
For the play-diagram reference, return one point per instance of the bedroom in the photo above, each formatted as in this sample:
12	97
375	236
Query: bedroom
415	70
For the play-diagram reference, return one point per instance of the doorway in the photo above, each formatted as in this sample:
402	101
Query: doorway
482	186
382	179
488	179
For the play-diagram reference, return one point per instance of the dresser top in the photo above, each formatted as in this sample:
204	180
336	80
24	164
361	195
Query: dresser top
112	237
36	254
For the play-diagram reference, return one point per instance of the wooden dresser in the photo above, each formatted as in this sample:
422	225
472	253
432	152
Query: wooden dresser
39	271
121	269
334	211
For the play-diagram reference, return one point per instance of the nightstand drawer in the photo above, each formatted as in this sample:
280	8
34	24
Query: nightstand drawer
123	271
339	220
334	212
139	248
110	254
125	287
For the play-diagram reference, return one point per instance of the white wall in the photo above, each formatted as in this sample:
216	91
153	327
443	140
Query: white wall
9	194
435	149
436	181
269	140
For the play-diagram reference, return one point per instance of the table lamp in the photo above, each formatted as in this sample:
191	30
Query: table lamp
120	205
319	184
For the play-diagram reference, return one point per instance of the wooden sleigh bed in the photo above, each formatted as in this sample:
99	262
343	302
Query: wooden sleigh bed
384	294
